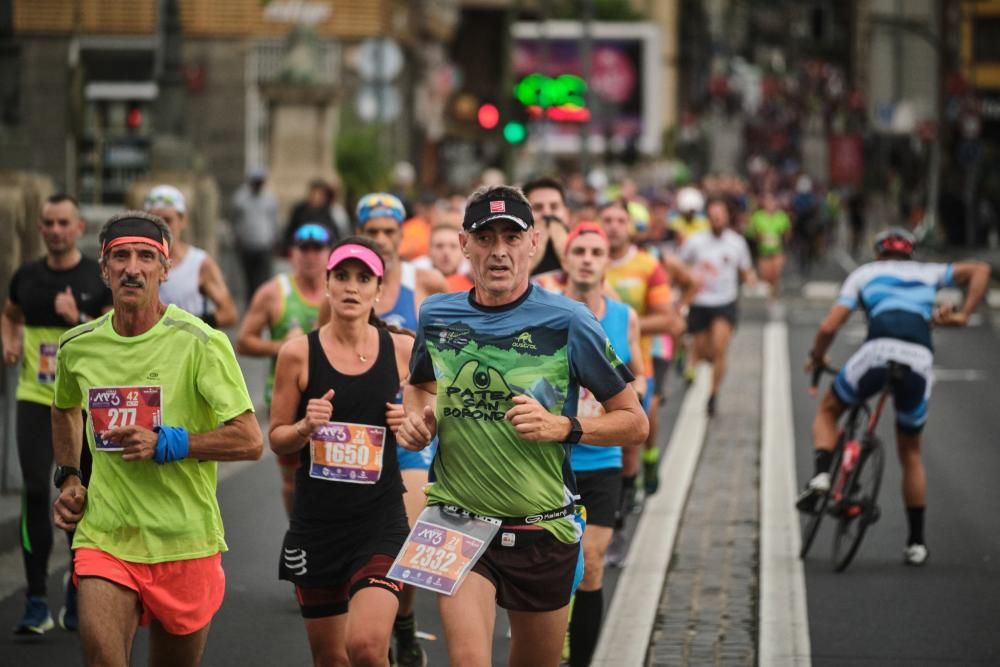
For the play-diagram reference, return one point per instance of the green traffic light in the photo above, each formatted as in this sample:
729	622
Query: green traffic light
514	132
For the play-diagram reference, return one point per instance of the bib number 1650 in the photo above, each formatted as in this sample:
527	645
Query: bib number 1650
347	453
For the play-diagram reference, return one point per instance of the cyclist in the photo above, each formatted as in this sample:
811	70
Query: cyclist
287	306
165	401
897	296
348	520
496	372
196	283
48	296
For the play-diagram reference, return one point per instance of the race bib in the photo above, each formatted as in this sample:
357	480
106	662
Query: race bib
47	362
115	407
347	453
588	405
441	550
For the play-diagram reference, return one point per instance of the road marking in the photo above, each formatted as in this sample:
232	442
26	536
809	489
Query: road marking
12	566
993	298
784	622
821	289
628	627
958	375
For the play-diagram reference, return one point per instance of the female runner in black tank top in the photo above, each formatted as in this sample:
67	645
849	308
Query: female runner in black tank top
343	535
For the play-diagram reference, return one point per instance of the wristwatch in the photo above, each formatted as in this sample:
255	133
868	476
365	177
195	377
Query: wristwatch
62	472
575	431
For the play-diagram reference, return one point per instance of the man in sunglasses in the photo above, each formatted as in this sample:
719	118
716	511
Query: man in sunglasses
195	283
48	296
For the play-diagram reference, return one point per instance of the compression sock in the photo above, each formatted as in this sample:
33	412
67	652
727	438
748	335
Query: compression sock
584	626
405	629
628	494
822	461
915	519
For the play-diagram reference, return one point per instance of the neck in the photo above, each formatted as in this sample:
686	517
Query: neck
393	269
132	322
63	260
351	333
310	283
590	295
178	250
619	252
487	298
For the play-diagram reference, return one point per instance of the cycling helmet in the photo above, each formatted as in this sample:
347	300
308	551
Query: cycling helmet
894	240
690	200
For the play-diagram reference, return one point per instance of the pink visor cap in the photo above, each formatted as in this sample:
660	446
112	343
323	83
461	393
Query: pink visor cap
358	252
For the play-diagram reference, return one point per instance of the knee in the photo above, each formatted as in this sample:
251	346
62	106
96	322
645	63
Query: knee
368	648
331	658
593	570
468	656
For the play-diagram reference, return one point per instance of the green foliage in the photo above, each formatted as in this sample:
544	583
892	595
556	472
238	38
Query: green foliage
604	10
362	166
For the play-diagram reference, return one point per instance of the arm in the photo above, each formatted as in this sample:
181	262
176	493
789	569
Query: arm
213	285
827	331
287	433
623	423
420	424
635	363
67	439
250	340
975	278
12	332
557	234
660	318
681	277
239	439
429	281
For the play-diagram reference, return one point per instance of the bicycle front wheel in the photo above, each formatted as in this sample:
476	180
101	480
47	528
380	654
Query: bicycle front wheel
810	527
859	508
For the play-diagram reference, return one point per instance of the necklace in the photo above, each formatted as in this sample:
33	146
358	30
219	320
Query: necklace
362	356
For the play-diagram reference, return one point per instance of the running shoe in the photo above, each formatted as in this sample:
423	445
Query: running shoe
68	619
815	489
37	620
651	470
412	655
689	375
617	549
915	554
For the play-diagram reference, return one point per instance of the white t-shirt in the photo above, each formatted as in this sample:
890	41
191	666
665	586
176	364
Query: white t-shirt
716	262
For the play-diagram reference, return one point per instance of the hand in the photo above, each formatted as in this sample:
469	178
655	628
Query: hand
12	352
318	412
394	416
417	430
946	315
641	387
69	505
813	364
66	306
678	325
137	443
533	422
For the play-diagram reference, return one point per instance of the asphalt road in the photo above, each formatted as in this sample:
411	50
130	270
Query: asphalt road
880	611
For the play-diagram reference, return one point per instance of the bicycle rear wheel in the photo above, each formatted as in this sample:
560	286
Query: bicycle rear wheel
810	527
859	508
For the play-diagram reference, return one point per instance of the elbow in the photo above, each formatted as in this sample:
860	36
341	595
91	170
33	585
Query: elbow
640	429
241	346
254	443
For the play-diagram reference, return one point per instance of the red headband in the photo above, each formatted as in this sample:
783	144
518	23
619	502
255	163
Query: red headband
121	240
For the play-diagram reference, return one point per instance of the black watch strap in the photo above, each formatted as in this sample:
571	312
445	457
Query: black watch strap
62	472
575	431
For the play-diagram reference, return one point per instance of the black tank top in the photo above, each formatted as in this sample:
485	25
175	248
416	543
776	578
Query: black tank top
357	399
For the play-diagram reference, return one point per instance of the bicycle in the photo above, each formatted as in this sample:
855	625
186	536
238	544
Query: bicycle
855	475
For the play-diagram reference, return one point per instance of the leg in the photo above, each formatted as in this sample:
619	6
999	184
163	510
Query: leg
914	484
328	640
650	453
825	422
109	617
536	638
168	650
404	629
369	626
588	609
34	450
721	333
468	617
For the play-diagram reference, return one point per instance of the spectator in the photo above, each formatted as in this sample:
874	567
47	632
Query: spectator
255	219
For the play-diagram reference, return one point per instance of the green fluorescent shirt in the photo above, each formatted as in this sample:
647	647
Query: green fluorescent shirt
142	511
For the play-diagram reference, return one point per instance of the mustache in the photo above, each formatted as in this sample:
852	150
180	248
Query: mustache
132	281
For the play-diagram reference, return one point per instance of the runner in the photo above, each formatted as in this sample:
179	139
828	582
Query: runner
689	219
548	203
348	520
287	306
165	400
641	282
719	260
404	287
771	228
47	297
196	283
598	470
446	256
897	296
497	372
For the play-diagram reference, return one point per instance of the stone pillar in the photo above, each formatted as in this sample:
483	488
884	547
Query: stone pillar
301	143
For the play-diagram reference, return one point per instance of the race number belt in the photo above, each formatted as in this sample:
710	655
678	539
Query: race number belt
529	520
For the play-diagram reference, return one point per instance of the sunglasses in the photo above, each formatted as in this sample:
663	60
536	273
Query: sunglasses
158	201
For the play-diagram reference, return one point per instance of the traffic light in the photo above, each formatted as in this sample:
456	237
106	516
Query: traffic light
488	116
515	132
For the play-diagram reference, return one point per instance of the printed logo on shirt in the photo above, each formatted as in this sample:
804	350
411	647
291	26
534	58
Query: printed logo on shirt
524	341
479	392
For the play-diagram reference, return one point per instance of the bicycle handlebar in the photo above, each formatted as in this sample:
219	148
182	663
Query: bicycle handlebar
817	373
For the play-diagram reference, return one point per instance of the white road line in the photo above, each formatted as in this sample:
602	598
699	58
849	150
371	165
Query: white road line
993	298
821	289
12	566
629	624
783	638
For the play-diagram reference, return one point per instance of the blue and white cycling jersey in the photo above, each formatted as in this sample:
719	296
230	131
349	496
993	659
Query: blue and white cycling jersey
897	296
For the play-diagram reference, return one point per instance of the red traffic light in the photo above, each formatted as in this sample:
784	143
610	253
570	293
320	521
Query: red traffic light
134	118
489	116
